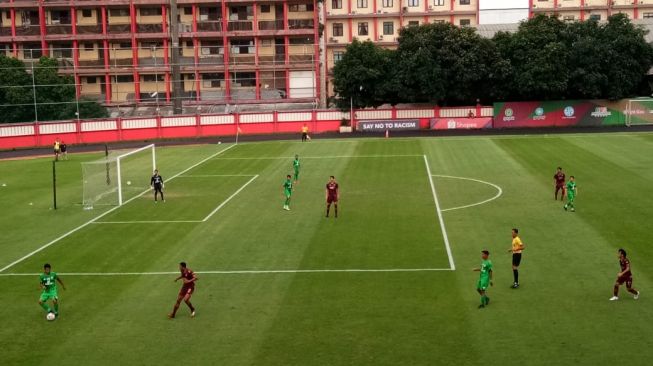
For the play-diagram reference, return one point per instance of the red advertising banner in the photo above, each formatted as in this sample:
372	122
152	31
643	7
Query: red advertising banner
461	123
558	113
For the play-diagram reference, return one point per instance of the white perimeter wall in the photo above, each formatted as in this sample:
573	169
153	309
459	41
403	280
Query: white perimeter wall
502	11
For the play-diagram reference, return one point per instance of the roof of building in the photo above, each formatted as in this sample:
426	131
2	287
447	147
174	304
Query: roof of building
489	30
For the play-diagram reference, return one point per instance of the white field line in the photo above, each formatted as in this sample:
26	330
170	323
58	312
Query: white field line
272	271
215	175
499	191
321	157
229	199
440	218
105	213
146	222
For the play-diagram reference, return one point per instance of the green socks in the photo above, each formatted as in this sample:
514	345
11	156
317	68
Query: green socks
46	307
485	300
287	202
56	308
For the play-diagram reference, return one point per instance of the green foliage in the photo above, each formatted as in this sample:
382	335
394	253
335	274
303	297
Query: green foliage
367	66
55	93
546	59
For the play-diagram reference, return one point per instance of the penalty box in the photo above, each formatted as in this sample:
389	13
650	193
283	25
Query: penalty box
191	198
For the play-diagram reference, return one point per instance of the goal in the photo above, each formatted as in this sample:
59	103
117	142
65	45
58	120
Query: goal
118	177
639	112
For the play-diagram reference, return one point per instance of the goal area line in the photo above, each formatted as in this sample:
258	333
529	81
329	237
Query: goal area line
238	272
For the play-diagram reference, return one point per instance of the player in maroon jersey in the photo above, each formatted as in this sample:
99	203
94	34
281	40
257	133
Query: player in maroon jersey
332	194
186	291
625	276
559	180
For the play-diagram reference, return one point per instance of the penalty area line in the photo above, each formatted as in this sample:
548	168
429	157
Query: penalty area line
229	198
439	212
237	272
89	222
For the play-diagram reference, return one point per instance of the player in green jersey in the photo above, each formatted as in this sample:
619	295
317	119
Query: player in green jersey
295	165
572	192
48	281
485	279
287	190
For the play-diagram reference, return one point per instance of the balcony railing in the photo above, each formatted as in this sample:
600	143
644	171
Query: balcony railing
300	23
266	25
119	28
28	30
89	29
59	29
239	25
150	28
4	31
212	26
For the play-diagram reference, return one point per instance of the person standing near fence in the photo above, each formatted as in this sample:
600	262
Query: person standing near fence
57	149
305	136
157	185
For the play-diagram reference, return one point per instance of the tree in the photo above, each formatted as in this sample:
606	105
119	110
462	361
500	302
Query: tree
626	57
444	63
367	66
538	54
55	93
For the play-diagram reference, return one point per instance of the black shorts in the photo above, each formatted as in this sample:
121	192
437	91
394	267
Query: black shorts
158	187
516	259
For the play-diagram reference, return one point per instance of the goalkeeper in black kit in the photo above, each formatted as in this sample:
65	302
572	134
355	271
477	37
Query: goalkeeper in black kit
156	182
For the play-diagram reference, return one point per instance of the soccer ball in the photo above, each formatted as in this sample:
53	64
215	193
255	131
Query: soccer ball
50	316
129	182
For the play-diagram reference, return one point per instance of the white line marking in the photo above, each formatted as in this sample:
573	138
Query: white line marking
229	199
440	218
321	157
272	271
105	213
499	191
215	175
146	222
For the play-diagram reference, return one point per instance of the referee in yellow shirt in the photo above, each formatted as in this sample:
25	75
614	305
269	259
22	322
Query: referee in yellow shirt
305	136
516	250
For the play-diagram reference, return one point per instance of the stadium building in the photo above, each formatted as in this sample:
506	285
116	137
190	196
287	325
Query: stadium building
128	52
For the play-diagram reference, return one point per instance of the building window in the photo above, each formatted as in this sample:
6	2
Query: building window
87	13
413	23
243	79
362	29
336	4
388	28
151	44
153	78
387	3
464	2
119	12
188	11
596	17
265	8
438	2
362	4
212	80
89	46
147	12
338	30
465	22
300	40
294	8
91	80
413	3
648	15
124	78
568	18
337	56
124	46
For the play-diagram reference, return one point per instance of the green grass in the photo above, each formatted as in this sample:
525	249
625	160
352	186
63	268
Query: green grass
560	315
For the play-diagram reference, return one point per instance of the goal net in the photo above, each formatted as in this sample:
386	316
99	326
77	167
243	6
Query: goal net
639	112
118	177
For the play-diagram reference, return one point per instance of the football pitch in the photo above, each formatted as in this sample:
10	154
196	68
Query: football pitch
389	282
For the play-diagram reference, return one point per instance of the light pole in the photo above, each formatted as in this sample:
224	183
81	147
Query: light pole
351	106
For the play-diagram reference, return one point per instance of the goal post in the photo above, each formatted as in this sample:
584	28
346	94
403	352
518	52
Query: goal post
639	112
118	177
